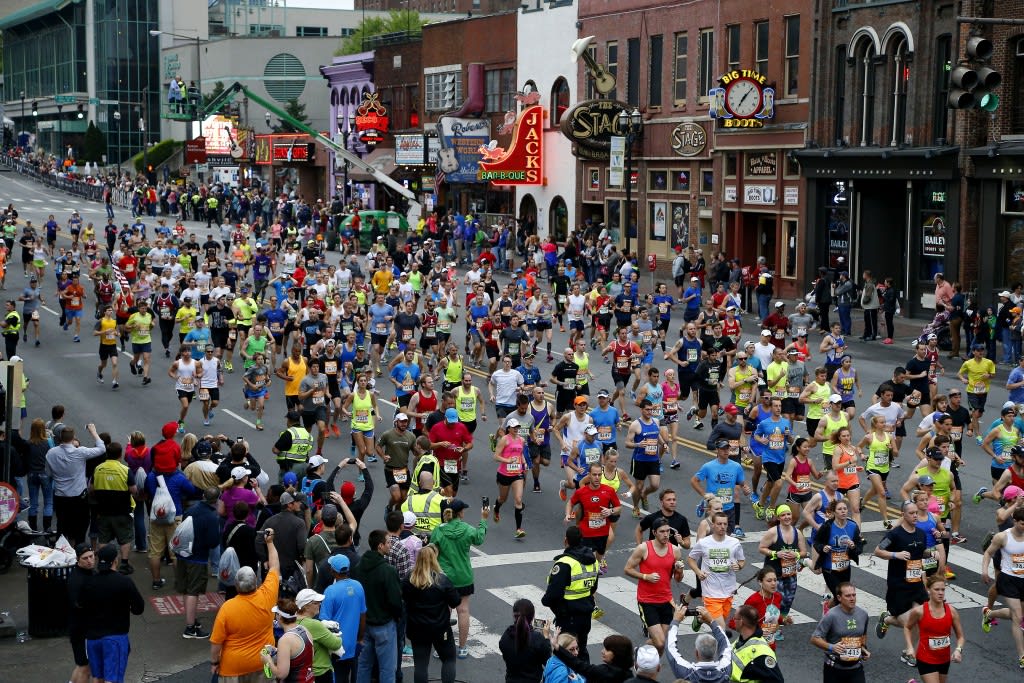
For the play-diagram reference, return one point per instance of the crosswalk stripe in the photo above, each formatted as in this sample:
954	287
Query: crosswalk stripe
956	596
509	594
482	642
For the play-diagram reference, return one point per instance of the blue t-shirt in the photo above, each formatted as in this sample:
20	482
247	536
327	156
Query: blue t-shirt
1016	375
778	432
51	230
837	540
694	303
606	421
587	453
664	303
531	376
407	376
478	313
197	339
721	480
379	325
276	320
345	603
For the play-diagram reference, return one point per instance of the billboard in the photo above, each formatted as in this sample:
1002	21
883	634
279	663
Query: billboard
461	139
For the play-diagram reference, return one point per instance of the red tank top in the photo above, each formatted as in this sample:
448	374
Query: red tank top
802	477
301	665
622	354
1014	479
934	645
655	564
425	405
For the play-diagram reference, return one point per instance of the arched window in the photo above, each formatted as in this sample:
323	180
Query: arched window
899	71
559	100
864	80
558	219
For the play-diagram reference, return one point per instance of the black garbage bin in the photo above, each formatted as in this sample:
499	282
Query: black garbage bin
48	601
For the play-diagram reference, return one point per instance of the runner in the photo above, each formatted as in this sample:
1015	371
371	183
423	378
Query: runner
563	376
449	440
185	372
570	430
686	354
623	352
880	446
707	381
255	386
394	447
843	634
670	417
654	564
469	403
934	621
785	550
837	543
977	373
722	477
597	503
647	439
774	433
716	560
999	444
450	368
904	548
210	382
540	436
361	406
1009	579
106	330
798	473
509	454
845	459
140	326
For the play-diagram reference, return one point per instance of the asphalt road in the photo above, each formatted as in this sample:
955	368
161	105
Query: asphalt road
505	568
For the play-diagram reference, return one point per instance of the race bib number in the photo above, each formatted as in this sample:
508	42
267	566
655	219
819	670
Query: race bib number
596	521
849	649
734	448
663	308
110	335
569	384
718	560
591	456
788	567
380	329
406	335
915	570
204	394
186	382
451	466
75	301
940	643
913	400
35	315
538	435
524	432
651	446
850	469
562	298
803	483
725	494
780	334
929	563
444	326
276	327
776	442
1017	563
604	433
330	367
400	476
515	467
794	392
318	398
955	433
621	363
880	459
840	560
232	334
362	417
692	355
743	396
977	388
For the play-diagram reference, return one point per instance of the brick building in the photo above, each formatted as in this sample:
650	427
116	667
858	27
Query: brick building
723	89
475	7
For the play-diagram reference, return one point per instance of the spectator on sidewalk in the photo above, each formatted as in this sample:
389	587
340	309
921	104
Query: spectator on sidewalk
65	464
383	610
191	570
345	603
109	598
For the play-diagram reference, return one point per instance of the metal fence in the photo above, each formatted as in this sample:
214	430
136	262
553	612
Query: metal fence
78	188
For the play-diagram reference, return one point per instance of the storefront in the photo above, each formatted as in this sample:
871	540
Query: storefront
893	212
998	191
288	161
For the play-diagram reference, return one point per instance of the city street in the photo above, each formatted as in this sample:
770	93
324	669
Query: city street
506	569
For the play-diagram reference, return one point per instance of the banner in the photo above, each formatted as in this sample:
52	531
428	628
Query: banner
658	220
617	160
461	139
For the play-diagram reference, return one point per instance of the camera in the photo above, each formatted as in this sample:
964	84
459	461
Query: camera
353	461
539	624
239	439
485	502
267	533
691	612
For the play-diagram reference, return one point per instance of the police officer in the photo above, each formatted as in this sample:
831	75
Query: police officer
11	325
571	587
425	504
293	446
752	657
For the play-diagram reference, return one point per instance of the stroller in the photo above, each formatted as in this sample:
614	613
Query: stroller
939	326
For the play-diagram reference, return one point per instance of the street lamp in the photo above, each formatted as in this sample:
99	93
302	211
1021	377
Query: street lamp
199	69
631	126
266	117
117	126
22	111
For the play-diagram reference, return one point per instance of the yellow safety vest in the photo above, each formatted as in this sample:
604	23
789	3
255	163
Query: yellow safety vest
582	578
748	652
427	460
13	320
302	443
427	508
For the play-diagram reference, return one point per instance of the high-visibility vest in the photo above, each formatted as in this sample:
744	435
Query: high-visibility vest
582	578
13	320
427	460
302	444
427	508
746	653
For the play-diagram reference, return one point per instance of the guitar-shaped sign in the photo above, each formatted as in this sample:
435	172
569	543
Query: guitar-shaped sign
236	149
604	82
446	160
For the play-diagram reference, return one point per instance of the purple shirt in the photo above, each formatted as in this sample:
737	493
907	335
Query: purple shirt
239	493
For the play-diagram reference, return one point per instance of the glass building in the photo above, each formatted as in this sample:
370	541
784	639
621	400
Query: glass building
93	56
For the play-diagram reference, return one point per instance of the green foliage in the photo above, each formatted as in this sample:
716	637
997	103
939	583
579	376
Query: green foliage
297	111
94	145
158	153
398	21
218	90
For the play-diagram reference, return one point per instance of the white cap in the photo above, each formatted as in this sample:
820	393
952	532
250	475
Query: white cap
766	333
317	460
835	398
591	429
238	473
306	596
401	416
780	304
512	422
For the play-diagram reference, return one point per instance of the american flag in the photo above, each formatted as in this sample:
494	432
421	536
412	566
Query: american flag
122	281
439	177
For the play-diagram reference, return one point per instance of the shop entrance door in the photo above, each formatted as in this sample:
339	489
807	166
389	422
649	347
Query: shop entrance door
882	232
766	241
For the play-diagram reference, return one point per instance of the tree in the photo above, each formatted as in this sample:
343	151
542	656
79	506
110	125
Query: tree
297	111
94	145
218	90
398	21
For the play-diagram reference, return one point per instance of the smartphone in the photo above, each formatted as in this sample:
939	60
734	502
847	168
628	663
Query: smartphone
690	612
353	461
267	532
239	439
485	502
539	624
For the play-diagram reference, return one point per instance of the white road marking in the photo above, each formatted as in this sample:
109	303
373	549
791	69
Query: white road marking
509	595
238	417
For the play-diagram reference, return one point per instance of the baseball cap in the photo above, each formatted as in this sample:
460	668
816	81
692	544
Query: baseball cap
451	415
780	304
647	659
933	336
239	473
287	498
792	352
329	514
591	429
731	409
292	416
835	398
106	555
408	519
348	492
1007	410
339	563
512	423
400	417
306	596
1005	293
694	279
317	460
579	399
935	453
1011	492
453	504
721	443
766	333
925	480
603	393
289	479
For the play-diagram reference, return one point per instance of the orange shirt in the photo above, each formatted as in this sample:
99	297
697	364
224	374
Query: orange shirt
75	295
244	624
845	468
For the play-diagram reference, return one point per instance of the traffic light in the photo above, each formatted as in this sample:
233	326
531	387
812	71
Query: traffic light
35	108
972	82
81	111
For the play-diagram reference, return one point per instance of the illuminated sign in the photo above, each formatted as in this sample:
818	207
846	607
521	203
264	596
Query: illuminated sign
458	155
261	156
195	151
371	119
522	164
591	125
219	133
297	151
742	100
688	139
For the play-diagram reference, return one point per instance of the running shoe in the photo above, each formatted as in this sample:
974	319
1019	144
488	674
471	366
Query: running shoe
146	380
737	533
779	637
198	632
228	366
690	413
126	568
986	622
335	430
826	600
407	651
99	378
698	425
181	427
371	458
675	465
978	495
463	653
758	511
770	513
520	533
1020	663
643	502
497	514
536	487
979	439
159	583
211	414
754	498
908	658
206	422
747	461
603	567
464	477
131	366
561	491
114	386
957	539
259	426
597	613
700	509
77	339
950	576
881	628
636	512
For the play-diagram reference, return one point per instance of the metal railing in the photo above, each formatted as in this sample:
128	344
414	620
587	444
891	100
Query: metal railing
72	186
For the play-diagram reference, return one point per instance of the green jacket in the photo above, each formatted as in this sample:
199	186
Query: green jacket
324	643
453	540
383	590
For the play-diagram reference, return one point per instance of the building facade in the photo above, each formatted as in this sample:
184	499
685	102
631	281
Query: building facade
723	90
464	7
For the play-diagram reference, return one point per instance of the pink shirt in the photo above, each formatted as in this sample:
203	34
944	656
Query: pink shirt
513	450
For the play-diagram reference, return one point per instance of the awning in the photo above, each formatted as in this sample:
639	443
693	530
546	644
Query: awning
33	11
381	159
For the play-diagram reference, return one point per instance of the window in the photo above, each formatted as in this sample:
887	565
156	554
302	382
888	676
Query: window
792	55
900	73
559	99
706	77
442	88
346	32
732	38
707	180
679	75
499	89
681	181
633	71
864	66
654	74
940	111
612	61
310	31
732	160
761	47
789	233
839	96
657	181
591	90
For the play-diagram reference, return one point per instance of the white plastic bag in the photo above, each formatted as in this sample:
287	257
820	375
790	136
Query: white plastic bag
181	541
162	510
228	567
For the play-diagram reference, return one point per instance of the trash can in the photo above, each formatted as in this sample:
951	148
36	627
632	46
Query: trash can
48	601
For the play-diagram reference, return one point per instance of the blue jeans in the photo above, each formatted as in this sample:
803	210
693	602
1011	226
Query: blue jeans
380	644
140	525
763	300
1004	337
36	481
845	321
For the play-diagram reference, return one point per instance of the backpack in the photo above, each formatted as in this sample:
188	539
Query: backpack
228	566
181	541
